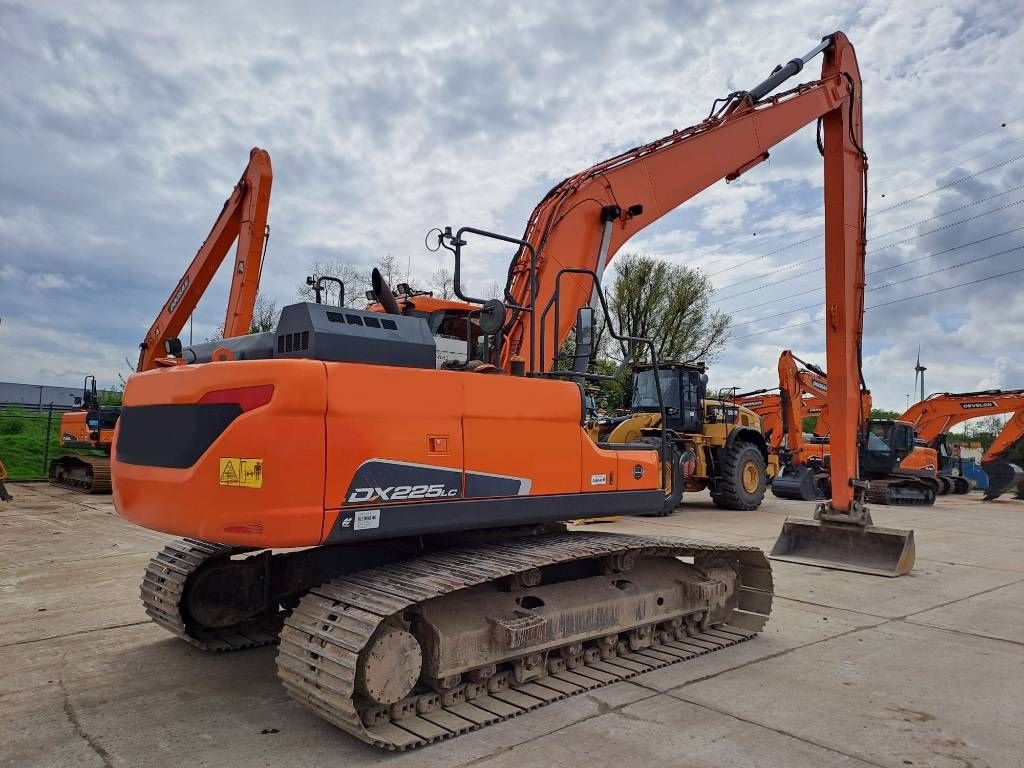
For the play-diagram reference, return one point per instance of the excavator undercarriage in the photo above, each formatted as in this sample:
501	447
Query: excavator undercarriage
424	647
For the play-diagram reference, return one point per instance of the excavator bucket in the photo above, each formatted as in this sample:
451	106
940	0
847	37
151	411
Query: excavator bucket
1002	475
799	484
845	547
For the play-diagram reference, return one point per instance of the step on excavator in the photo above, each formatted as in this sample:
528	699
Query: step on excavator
900	470
89	427
937	414
431	589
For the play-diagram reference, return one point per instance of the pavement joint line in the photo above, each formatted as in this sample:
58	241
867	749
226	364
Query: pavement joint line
904	617
969	565
963	632
965	533
75	633
76	724
782	732
959	599
777	596
769	657
602	710
36	563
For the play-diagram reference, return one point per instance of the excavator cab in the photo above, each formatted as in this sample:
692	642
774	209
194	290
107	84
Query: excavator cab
888	443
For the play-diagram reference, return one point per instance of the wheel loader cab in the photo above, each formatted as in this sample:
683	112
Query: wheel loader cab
682	386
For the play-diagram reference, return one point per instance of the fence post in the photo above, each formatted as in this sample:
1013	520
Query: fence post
46	445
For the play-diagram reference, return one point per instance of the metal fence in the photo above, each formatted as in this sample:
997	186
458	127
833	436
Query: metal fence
29	438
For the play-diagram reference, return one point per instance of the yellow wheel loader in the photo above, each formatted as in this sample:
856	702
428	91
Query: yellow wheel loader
716	444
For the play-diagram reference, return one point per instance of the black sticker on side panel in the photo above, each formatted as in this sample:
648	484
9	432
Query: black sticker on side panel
384	481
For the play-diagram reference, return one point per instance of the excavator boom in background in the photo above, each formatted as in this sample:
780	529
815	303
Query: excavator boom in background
936	415
900	471
243	218
431	589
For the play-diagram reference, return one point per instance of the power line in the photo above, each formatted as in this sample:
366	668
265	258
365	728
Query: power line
816	206
951	224
943	290
883	286
945	250
959	208
953	183
880	269
816	257
956	165
887	303
950	149
874	215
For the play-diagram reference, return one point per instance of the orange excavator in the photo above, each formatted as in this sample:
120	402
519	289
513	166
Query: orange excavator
88	428
432	589
242	218
937	414
901	472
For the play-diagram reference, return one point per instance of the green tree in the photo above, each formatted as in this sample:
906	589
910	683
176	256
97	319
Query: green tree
667	303
264	317
881	413
357	283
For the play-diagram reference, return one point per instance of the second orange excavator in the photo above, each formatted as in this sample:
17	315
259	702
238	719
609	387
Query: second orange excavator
937	414
900	471
90	429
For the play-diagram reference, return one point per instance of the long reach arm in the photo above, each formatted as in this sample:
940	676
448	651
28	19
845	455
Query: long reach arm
583	221
243	218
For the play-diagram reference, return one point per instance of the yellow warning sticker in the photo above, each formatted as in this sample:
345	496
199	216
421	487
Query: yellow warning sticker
241	473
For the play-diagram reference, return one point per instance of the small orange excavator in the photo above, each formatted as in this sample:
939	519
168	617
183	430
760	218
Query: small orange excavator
937	414
89	428
431	589
242	218
899	474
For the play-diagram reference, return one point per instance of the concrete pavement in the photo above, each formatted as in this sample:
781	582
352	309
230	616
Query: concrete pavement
852	670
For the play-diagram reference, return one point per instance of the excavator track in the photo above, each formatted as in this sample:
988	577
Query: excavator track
85	474
338	629
163	589
900	492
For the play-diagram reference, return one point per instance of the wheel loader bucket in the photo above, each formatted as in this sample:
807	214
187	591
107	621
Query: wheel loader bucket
798	484
1002	475
845	547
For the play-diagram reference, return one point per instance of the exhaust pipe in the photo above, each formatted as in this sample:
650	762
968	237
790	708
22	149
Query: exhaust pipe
1002	475
382	291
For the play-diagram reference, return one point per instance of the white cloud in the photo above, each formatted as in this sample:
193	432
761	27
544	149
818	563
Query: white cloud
126	126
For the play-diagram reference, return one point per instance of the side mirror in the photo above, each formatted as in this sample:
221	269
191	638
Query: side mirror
584	339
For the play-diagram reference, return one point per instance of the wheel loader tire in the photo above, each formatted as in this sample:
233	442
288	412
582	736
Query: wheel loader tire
671	499
743	481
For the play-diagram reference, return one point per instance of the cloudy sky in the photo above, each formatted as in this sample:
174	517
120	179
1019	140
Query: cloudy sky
124	127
